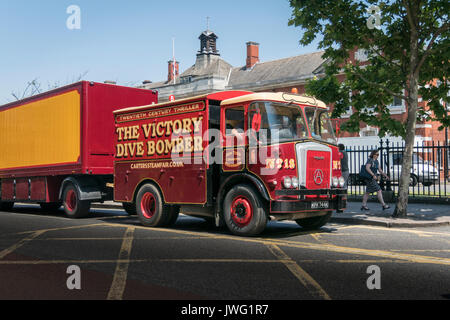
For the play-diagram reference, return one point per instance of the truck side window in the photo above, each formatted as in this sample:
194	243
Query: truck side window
234	130
234	120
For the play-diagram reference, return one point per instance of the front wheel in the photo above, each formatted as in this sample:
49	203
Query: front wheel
244	211
73	206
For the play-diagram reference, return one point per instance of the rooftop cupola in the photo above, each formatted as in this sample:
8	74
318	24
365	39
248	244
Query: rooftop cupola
208	45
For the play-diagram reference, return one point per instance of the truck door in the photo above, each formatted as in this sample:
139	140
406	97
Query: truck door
234	138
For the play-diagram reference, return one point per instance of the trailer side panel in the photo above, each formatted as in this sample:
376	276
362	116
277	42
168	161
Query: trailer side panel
42	132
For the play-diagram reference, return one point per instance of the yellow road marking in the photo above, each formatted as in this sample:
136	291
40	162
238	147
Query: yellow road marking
419	233
12	248
308	282
38	262
120	275
58	229
222	260
312	246
118	238
115	261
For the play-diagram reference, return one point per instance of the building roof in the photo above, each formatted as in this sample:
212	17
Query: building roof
208	65
276	71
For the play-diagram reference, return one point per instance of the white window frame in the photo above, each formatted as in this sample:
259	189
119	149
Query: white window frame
397	109
362	55
368	129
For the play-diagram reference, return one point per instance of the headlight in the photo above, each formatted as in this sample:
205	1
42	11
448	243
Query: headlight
341	182
287	182
294	182
335	181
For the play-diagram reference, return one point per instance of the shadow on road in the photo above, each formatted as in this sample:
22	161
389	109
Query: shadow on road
274	230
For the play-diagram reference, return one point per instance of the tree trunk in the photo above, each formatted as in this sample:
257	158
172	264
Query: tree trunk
403	190
412	105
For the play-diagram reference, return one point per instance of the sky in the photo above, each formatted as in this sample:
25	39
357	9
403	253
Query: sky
131	41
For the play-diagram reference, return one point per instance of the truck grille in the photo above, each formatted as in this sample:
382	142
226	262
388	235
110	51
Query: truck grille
314	165
318	169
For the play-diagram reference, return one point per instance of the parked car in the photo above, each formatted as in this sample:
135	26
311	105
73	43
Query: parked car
421	171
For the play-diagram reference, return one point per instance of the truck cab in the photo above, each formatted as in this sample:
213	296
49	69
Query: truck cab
238	158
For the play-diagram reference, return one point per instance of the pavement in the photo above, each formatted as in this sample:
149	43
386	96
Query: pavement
419	215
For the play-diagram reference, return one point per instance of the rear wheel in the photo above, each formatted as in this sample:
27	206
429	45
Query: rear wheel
73	206
150	207
314	223
244	211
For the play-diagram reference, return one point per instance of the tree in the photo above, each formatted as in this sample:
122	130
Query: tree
34	87
406	43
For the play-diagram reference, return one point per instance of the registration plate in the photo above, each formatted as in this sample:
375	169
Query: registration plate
319	205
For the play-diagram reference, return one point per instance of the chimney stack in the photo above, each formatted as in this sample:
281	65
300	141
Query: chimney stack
252	54
170	76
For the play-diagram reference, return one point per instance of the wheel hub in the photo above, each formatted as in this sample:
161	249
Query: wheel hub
241	211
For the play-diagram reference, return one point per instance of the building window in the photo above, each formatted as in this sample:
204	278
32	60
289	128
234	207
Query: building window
361	55
187	79
397	106
368	132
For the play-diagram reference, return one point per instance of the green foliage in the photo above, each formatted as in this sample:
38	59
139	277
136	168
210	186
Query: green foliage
370	87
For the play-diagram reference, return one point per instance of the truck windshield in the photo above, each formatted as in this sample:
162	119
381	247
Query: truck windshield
272	122
320	124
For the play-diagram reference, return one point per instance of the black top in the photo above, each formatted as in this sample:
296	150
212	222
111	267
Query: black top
373	165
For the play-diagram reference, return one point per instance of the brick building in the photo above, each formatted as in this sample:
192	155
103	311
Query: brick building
211	73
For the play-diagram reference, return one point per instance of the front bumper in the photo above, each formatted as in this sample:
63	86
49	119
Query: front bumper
324	200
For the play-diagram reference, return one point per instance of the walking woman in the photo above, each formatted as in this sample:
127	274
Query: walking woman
372	166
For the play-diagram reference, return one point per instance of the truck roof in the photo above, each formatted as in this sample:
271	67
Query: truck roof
232	97
221	96
276	96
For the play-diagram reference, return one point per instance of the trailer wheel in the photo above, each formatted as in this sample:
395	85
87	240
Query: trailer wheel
6	206
73	206
244	211
151	210
314	223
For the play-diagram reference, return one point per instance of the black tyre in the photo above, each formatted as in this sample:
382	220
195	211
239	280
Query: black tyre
50	206
73	206
150	207
6	206
244	211
130	208
314	223
413	180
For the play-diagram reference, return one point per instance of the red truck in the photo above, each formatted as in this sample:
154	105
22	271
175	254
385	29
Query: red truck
238	158
57	148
